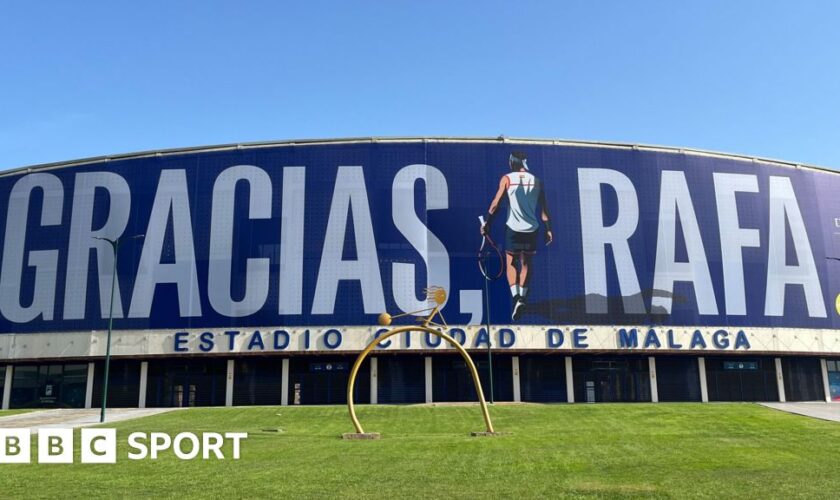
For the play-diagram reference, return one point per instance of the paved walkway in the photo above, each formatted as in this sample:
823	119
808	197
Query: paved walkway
824	411
66	418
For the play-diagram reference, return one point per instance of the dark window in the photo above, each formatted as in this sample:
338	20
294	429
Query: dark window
402	379
258	381
123	383
25	387
611	378
180	382
678	378
803	379
741	379
49	386
452	381
322	380
543	378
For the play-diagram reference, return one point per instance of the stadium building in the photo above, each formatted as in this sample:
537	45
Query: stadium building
253	274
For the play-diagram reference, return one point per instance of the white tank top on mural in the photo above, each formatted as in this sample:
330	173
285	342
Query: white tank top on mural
523	194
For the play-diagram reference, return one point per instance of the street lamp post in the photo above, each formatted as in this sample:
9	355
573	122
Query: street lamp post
115	246
489	337
836	300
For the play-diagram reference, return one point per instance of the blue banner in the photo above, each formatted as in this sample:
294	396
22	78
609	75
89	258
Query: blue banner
334	234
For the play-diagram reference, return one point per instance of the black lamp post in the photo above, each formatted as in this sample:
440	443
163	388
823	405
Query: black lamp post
837	300
115	246
489	336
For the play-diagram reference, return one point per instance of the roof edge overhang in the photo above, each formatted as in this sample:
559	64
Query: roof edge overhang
387	140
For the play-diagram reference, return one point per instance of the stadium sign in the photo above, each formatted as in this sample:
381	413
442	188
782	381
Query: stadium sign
579	338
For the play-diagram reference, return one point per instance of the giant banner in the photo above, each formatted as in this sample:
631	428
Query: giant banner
336	233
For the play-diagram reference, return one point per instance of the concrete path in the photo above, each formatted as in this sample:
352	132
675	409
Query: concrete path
824	411
67	418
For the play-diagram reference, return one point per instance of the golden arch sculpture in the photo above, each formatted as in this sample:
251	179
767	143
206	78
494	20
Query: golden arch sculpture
438	296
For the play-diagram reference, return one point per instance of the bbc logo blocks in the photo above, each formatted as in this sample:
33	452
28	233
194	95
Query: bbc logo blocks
56	446
15	446
99	446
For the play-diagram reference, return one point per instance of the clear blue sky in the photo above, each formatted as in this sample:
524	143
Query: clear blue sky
83	79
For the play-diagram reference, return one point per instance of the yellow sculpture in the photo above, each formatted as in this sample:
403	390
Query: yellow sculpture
436	296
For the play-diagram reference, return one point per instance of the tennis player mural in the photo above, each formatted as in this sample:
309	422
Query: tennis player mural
527	210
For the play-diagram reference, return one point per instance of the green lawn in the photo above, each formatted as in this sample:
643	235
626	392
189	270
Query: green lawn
606	450
6	413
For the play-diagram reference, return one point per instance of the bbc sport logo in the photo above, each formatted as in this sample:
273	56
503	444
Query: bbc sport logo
99	446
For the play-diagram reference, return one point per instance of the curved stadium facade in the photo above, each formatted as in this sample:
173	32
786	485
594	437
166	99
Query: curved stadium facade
253	274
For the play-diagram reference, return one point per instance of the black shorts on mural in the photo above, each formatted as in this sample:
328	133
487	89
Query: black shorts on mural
516	242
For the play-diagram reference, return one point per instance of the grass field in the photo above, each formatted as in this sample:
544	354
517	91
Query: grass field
604	450
7	413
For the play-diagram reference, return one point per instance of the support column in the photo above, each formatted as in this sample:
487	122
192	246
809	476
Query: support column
7	386
654	387
517	395
89	386
144	380
780	380
570	381
229	383
429	387
823	369
284	382
704	388
374	383
826	386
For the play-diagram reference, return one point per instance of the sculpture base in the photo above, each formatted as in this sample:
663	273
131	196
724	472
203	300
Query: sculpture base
360	435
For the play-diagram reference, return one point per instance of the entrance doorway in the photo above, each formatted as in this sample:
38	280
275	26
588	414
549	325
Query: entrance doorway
611	379
185	383
322	380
